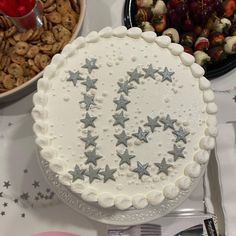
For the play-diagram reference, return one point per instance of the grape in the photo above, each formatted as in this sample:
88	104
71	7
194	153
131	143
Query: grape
181	9
219	8
203	17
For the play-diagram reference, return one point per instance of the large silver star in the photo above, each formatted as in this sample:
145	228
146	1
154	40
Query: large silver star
141	170
168	122
166	74
89	140
152	123
150	72
89	83
181	135
141	135
125	157
108	173
92	157
93	174
90	64
77	173
74	77
163	166
121	103
125	87
177	152
88	101
122	138
88	120
120	119
134	76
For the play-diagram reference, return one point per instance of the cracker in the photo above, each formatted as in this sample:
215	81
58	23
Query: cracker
21	48
8	81
54	17
15	70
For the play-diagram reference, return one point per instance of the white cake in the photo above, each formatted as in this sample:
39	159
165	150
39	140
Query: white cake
124	118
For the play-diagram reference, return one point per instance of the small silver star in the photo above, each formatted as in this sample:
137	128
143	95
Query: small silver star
163	166
89	83
120	119
177	152
108	174
89	140
88	120
77	173
141	170
121	103
88	101
122	138
150	72
24	196
181	135
93	174
141	135
134	76
152	123
36	184
168	122
125	157
74	77
125	87
166	74
92	157
6	184
90	64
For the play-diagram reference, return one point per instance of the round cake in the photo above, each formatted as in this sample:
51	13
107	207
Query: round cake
125	119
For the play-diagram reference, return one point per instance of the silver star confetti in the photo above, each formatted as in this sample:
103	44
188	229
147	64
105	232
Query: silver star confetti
125	157
90	64
122	138
120	119
150	72
152	123
141	170
181	135
88	101
93	174
125	87
141	135
92	157
108	174
168	122
89	83
77	173
89	140
134	76
121	103
88	120
163	167
166	74
74	77
177	152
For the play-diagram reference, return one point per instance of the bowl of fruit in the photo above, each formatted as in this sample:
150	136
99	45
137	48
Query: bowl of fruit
205	28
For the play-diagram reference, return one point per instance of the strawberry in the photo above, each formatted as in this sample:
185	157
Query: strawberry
229	7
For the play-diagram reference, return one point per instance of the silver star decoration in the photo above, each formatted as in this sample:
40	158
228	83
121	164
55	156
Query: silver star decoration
163	166
125	157
93	174
88	120
77	173
141	135
92	157
141	170
89	140
168	122
177	152
74	77
125	87
88	101
150	72
152	123
90	64
108	173
121	103
134	76
122	138
166	74
89	83
181	135
120	119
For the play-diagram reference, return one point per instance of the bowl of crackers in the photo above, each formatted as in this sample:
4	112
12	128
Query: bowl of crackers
24	55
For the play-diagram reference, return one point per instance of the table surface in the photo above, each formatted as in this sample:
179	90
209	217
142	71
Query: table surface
24	196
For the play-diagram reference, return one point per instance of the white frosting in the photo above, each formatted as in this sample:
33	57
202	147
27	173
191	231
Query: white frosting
79	42
140	201
48	153
187	58
120	31
204	83
207	143
65	179
67	51
40	127
155	197
57	166
39	113
123	202
184	182
42	142
197	70
149	36
92	37
43	84
202	157
134	32
40	98
163	41
176	49
212	131
50	70
171	191
211	108
208	96
89	195
193	170
78	187
105	200
106	32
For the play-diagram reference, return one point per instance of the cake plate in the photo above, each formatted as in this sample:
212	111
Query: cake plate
113	216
